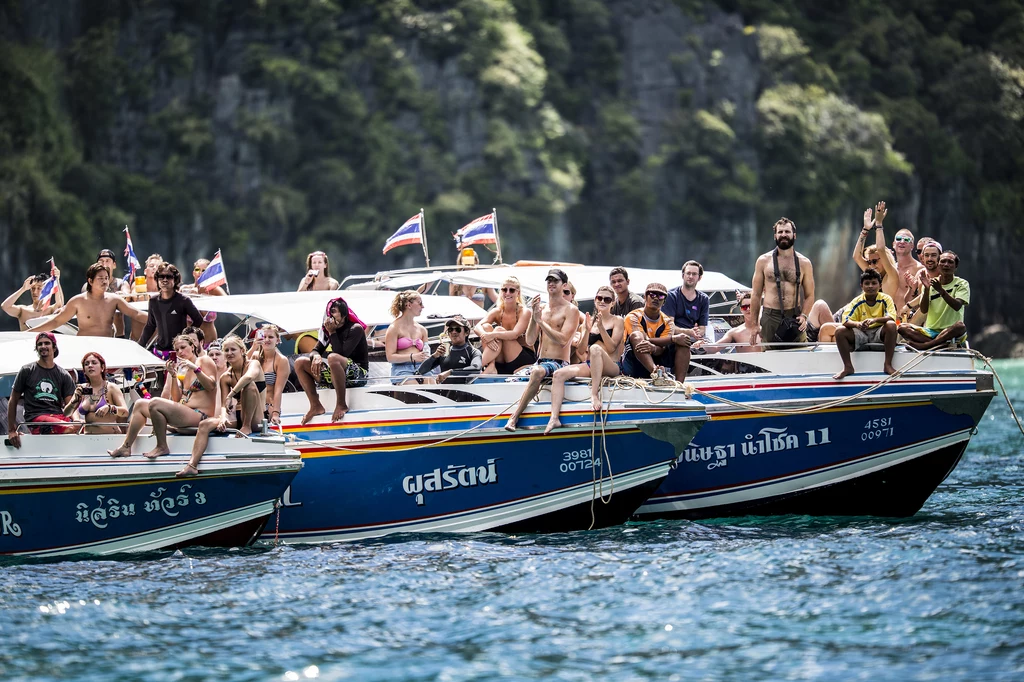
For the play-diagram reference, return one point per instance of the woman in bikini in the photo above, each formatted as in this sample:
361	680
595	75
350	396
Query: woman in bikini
192	399
503	332
97	402
405	343
275	367
606	337
244	383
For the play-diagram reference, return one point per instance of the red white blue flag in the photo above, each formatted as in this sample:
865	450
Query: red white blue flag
214	276
480	231
129	251
411	232
49	286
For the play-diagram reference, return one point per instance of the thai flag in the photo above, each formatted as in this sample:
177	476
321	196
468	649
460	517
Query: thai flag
129	251
480	231
49	286
410	232
214	275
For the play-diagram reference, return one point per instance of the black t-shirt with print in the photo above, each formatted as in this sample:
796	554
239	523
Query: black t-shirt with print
43	390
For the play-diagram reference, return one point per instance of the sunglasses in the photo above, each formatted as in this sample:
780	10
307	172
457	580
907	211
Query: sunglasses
509	290
454	330
165	276
873	261
655	295
604	299
906	240
745	308
567	292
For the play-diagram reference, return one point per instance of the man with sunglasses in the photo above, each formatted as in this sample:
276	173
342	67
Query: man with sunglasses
169	313
649	335
461	359
742	335
944	301
94	309
555	324
899	272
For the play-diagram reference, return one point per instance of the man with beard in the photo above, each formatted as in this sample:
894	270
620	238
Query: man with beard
944	300
46	389
929	253
789	294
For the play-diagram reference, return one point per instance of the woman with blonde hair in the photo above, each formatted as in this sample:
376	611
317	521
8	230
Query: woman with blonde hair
318	274
405	343
192	399
97	402
275	367
503	332
244	384
606	336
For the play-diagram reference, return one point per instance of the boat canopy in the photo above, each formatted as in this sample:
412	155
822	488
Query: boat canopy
295	312
586	279
19	348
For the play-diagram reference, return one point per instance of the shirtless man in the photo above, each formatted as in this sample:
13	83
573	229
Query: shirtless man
555	322
95	308
765	322
743	334
24	313
901	273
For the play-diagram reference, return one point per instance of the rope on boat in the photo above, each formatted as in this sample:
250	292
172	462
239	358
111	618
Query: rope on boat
340	448
988	363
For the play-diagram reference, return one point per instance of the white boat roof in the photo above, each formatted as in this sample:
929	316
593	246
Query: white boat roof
301	311
586	279
19	348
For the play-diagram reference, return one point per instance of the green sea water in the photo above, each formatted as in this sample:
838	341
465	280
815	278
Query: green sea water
939	596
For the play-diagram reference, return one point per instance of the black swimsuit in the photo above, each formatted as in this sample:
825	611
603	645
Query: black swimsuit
596	336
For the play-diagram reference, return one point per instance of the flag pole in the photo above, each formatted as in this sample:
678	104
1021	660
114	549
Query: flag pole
227	288
423	234
497	239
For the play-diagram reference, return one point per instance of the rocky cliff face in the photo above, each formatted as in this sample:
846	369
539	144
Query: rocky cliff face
269	129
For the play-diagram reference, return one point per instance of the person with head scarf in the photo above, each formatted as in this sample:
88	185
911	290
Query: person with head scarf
341	346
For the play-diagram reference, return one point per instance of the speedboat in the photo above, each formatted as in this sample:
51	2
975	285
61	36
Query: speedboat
784	436
436	458
62	494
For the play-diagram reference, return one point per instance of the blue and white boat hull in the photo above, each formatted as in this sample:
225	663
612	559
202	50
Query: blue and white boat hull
395	465
62	495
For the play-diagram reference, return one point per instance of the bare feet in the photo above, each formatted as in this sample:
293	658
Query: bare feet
847	371
315	410
189	471
889	369
510	425
339	412
595	403
553	424
156	452
120	452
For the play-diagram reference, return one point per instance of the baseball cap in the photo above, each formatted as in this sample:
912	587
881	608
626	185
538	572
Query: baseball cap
108	253
557	274
656	286
457	320
53	340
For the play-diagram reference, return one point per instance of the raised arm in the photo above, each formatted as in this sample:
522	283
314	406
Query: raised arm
858	248
9	305
58	302
62	318
131	311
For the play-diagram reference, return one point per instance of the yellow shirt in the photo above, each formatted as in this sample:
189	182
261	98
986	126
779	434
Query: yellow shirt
859	309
